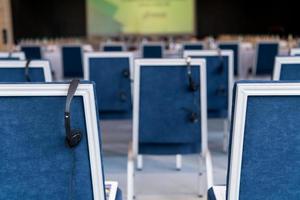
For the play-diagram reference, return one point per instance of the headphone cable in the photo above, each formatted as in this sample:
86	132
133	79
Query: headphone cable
72	175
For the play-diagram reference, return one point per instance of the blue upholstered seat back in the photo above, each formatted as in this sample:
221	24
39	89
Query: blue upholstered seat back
32	52
193	47
217	69
266	57
165	106
112	48
235	49
152	51
72	61
35	162
107	73
290	72
13	75
270	159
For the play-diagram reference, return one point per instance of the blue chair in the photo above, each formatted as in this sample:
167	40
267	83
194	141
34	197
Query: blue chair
37	161
235	47
152	50
112	73
219	69
169	113
113	47
287	68
193	46
12	56
264	153
295	52
72	61
265	58
25	71
32	52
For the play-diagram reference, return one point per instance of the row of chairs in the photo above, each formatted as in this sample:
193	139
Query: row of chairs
116	71
263	159
145	141
116	100
182	80
257	106
176	79
264	61
38	160
43	156
266	51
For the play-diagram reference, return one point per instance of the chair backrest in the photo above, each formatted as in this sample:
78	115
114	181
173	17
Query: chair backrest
15	71
112	47
235	47
112	72
152	50
169	118
72	61
219	73
36	161
12	56
32	52
193	46
265	57
287	68
295	52
264	155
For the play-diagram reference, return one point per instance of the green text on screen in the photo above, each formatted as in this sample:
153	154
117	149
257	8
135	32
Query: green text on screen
109	17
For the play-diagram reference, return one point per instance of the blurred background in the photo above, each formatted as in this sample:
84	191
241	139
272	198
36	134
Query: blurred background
255	31
34	19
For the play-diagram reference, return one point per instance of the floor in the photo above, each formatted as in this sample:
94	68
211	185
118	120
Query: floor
159	179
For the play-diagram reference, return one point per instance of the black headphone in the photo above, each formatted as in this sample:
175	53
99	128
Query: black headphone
221	91
220	68
27	77
73	136
192	85
193	116
122	94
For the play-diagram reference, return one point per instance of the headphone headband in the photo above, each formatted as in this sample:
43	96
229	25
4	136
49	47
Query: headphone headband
73	137
192	85
71	92
193	115
27	77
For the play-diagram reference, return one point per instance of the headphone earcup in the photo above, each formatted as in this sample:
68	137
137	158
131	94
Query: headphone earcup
75	138
194	118
220	69
192	85
126	73
123	96
221	91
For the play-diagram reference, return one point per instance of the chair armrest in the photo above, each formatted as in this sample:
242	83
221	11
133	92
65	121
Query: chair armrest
217	193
